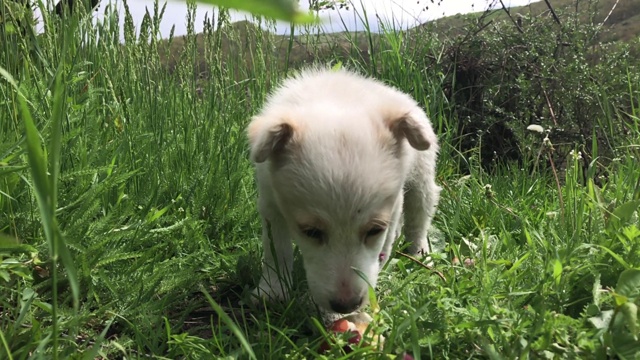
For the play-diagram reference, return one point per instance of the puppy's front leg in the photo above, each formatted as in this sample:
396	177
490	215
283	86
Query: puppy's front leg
277	259
393	232
420	203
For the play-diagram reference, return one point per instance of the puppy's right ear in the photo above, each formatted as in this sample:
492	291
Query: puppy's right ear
409	127
268	138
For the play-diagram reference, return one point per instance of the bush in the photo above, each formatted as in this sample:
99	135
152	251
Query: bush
505	73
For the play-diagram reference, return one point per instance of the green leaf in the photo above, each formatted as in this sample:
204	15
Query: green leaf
629	283
4	275
69	266
625	345
631	232
156	214
94	350
286	10
516	265
11	244
592	310
373	301
15	247
602	321
5	345
45	190
614	255
557	271
55	141
7	241
28	295
5	74
38	168
5	169
623	213
630	313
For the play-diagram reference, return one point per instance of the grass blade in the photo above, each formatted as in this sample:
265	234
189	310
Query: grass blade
45	189
232	326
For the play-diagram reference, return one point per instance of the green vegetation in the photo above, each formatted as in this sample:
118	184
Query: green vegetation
276	9
128	225
621	19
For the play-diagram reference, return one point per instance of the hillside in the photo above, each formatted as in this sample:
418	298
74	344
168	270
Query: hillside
245	40
622	24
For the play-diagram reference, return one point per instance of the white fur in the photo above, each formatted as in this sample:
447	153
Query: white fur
341	154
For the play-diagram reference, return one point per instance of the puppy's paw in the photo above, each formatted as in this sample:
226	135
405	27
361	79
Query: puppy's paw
422	250
270	289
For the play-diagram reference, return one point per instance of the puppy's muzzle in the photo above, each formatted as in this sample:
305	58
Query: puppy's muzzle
346	306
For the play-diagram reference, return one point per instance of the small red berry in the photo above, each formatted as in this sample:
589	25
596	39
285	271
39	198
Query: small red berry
324	347
355	338
341	325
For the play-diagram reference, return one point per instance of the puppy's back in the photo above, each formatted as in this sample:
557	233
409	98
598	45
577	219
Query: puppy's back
340	88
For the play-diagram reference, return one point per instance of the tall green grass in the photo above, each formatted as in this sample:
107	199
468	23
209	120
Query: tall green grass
125	193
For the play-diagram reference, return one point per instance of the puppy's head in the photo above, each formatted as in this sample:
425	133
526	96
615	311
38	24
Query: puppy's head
337	182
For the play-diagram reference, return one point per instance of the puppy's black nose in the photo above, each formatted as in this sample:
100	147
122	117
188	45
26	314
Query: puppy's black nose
346	306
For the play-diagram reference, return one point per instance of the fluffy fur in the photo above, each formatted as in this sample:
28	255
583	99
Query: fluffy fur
339	158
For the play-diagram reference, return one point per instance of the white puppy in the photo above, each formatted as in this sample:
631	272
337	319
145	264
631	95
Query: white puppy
338	158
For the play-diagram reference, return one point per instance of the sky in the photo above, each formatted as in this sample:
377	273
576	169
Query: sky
402	14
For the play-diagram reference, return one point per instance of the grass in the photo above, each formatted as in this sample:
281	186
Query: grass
129	227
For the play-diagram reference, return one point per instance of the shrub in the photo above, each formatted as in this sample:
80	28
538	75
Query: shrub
504	73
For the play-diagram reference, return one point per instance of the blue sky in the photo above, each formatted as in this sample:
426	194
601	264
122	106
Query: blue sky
402	13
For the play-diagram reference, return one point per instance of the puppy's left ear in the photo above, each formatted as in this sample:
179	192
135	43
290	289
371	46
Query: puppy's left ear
407	126
268	138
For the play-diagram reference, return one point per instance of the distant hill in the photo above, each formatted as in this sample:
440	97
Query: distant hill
622	24
242	38
245	40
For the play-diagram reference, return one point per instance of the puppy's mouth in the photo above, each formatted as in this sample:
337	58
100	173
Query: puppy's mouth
341	301
346	305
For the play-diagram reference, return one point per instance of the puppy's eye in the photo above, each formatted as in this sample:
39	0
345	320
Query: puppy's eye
375	231
314	233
